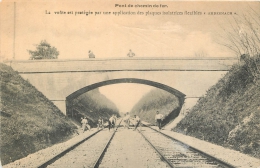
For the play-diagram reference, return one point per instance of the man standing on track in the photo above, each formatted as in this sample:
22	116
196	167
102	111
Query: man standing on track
112	122
137	121
126	120
158	119
84	123
100	123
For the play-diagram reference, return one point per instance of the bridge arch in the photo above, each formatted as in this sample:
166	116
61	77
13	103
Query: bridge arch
180	95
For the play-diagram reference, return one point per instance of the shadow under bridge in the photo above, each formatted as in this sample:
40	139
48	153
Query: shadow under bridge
178	94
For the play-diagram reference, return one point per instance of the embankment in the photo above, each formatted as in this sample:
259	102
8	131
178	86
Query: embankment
29	121
229	114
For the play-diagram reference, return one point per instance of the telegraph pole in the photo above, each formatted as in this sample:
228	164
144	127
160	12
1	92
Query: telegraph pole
14	30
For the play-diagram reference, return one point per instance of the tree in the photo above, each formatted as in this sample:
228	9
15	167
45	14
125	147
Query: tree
243	38
44	51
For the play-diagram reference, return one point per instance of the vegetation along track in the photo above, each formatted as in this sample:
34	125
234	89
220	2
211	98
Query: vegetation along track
178	154
87	153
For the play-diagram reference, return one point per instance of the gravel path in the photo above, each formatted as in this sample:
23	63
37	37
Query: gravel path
129	149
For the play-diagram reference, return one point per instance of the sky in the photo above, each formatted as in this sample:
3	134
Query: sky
113	36
108	36
125	95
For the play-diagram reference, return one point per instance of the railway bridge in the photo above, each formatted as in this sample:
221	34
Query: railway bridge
62	80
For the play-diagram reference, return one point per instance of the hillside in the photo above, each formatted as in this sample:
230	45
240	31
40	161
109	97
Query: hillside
229	114
157	99
93	104
29	121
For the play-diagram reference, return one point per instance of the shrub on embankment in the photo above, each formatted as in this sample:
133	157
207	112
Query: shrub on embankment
229	114
157	100
93	104
29	121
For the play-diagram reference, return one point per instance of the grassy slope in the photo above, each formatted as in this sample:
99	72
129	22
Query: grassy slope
93	104
229	114
157	99
29	121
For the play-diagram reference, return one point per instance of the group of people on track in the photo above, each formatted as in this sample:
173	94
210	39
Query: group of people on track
100	123
127	120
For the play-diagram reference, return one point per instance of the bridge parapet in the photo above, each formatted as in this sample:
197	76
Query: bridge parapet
124	64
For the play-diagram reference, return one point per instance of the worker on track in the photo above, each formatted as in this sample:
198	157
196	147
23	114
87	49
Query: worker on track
126	120
100	124
112	122
136	121
158	119
85	124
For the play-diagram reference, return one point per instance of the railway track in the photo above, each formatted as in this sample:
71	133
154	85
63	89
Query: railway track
87	153
148	148
178	154
130	150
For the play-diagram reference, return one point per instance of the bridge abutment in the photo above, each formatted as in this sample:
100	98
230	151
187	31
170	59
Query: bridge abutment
188	103
61	104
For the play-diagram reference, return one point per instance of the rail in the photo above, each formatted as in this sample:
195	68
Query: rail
194	149
60	154
98	161
163	158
